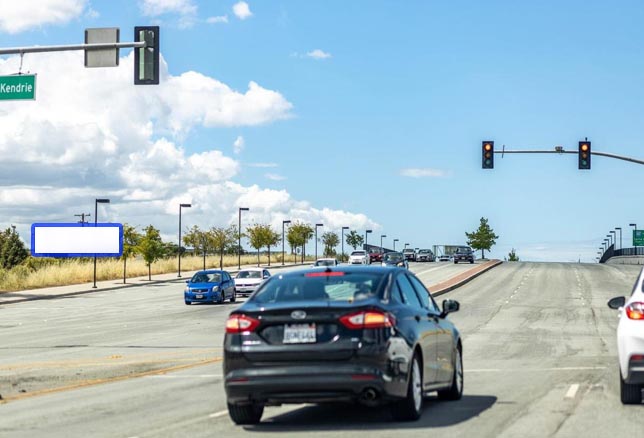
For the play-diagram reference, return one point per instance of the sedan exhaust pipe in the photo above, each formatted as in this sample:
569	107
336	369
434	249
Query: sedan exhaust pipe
369	397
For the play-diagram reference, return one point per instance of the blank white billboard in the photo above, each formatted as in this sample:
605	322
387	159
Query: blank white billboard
76	240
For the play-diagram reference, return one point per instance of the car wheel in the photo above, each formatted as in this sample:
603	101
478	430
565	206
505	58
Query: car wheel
471	261
234	297
222	297
455	392
245	414
188	302
410	408
455	262
629	393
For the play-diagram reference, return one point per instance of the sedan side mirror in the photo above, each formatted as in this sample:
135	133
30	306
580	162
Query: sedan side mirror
187	281
617	302
450	306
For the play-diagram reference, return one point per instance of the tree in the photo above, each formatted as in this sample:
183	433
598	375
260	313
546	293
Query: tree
272	239
151	247
298	234
13	251
330	241
258	236
354	239
223	239
512	256
483	238
200	240
131	239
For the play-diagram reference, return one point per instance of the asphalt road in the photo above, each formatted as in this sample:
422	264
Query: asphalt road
539	356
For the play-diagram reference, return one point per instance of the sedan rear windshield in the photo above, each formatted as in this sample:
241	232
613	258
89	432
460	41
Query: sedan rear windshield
321	286
249	274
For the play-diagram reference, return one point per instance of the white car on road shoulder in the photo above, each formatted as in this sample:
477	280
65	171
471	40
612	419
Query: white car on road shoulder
360	257
630	342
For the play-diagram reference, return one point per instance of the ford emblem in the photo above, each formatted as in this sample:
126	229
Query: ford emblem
298	314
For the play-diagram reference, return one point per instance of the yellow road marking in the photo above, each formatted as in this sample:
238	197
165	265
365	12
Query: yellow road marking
93	382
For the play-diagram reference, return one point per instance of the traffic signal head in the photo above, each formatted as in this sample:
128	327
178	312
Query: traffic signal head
146	59
584	155
488	154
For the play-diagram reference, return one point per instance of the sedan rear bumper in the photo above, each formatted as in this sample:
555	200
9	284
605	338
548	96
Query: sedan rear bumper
312	384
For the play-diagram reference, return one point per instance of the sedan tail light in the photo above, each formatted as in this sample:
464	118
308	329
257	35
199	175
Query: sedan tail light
368	319
635	310
241	324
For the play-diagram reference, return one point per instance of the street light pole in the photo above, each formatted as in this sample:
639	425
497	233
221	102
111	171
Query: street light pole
97	201
395	240
406	245
239	233
316	239
343	228
366	237
620	237
180	207
283	222
614	235
381	249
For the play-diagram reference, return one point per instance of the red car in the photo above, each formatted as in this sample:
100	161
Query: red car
375	256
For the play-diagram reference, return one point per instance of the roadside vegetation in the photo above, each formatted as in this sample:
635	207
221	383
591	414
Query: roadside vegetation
483	238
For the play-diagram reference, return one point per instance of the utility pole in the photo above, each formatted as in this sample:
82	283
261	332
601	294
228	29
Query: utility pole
82	216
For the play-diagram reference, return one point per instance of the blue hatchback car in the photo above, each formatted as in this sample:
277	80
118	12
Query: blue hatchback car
212	286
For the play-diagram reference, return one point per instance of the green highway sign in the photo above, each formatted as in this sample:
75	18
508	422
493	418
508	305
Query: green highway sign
638	237
18	87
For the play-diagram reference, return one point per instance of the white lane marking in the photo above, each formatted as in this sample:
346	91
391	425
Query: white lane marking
572	391
218	414
192	376
503	370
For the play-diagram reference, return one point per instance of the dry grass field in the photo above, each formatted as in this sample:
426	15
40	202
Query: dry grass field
73	271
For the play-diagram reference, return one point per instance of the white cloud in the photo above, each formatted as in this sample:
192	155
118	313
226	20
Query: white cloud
238	144
414	172
241	10
218	19
186	9
318	54
91	133
275	177
19	16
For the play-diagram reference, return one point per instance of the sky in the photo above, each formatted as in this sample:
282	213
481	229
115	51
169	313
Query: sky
367	114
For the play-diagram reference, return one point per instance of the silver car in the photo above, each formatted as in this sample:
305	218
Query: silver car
359	257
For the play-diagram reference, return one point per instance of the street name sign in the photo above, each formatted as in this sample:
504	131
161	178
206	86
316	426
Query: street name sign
638	237
18	87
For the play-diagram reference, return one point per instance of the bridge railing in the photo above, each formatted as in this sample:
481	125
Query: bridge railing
612	252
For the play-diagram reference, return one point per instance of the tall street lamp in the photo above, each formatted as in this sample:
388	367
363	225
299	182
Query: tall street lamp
343	228
316	239
406	245
283	222
98	201
614	235
610	240
381	249
395	240
634	229
366	236
180	207
620	236
239	237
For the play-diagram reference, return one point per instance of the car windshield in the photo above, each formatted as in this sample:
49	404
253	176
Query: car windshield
358	253
249	274
205	277
325	263
423	251
316	286
394	257
463	250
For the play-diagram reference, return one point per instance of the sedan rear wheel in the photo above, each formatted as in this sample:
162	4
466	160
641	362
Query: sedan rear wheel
245	414
629	393
410	408
455	392
234	297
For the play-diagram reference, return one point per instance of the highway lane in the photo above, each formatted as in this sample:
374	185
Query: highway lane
540	360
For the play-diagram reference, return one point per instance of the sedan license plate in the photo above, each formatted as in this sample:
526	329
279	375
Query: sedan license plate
199	296
299	334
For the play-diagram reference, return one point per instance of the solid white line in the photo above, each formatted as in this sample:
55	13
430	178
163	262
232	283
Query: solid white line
572	391
218	414
193	376
500	370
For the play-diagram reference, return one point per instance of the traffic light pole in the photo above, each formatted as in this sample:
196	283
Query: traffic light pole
562	151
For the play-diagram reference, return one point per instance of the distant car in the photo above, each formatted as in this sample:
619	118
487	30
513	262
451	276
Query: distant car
359	257
395	259
444	258
409	254
464	254
326	262
247	280
212	286
362	334
425	255
630	342
375	256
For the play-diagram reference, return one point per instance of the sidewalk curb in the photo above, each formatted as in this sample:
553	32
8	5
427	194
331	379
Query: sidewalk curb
450	287
119	286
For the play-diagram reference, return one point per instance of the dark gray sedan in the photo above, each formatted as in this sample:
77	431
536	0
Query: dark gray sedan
372	335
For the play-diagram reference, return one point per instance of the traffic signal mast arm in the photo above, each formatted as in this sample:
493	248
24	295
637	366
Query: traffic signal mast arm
70	47
561	151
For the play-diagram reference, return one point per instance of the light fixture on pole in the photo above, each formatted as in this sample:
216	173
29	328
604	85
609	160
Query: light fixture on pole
406	245
366	236
239	233
316	239
283	222
98	201
343	228
381	249
180	207
395	240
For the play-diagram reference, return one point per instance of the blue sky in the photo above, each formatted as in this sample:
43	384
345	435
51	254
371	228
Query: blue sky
394	86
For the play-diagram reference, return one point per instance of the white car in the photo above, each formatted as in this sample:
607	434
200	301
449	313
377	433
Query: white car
630	342
247	280
359	257
326	262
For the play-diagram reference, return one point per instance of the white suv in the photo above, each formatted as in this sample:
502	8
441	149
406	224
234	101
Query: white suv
359	257
630	342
